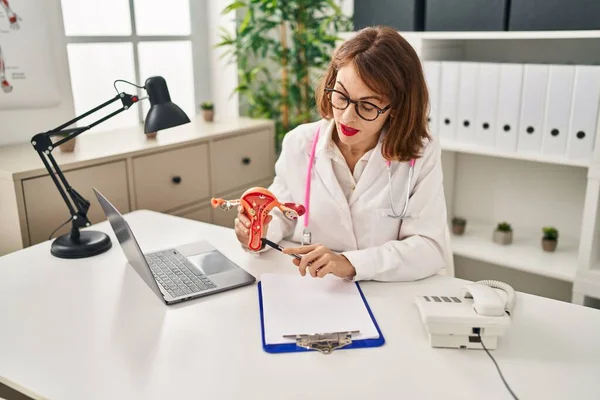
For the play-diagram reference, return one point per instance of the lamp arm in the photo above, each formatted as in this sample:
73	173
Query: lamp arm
43	145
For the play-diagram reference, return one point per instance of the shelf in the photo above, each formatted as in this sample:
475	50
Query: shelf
587	282
458	147
508	35
524	254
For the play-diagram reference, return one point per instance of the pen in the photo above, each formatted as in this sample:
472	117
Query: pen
278	247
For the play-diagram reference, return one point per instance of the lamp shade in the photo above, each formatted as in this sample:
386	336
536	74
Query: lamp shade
163	113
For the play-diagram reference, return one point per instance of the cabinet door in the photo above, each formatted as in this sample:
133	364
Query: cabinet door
202	214
171	179
46	209
238	161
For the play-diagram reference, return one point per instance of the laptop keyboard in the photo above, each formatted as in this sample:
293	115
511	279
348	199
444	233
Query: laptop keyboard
176	274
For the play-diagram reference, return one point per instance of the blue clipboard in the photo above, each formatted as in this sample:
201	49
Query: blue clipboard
292	347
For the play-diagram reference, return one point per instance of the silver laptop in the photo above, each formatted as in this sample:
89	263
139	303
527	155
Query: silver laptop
177	274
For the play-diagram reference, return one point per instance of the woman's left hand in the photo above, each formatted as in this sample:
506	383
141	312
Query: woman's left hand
320	261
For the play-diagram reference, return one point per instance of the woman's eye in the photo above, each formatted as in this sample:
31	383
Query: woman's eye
367	108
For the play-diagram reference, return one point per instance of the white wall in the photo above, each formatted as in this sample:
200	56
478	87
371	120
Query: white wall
18	126
224	77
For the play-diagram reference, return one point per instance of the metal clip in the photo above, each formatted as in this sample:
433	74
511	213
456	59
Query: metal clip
306	237
326	343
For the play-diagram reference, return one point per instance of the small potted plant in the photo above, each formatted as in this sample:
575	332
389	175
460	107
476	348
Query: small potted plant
458	225
550	238
503	233
208	110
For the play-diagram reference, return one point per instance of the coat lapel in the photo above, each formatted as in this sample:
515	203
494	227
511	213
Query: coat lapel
324	169
374	168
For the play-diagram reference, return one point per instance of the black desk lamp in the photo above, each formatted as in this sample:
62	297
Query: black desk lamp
163	114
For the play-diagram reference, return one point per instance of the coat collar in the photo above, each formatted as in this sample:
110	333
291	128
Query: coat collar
324	168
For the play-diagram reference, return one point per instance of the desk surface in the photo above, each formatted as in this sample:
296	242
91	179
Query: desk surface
92	330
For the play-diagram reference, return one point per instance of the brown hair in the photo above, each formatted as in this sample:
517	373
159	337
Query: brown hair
389	66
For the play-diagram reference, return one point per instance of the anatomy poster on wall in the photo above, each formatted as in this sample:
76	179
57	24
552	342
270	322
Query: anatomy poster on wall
27	74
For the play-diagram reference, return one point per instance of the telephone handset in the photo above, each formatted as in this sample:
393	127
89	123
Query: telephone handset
479	311
487	301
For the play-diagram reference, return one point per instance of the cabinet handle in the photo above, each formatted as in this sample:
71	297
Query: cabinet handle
246	160
176	180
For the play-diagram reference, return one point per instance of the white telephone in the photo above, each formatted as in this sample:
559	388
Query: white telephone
481	312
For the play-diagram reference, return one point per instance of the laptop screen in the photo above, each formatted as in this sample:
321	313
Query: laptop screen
128	242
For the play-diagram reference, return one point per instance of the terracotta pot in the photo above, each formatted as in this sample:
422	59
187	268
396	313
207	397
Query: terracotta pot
458	229
208	115
69	146
502	237
549	244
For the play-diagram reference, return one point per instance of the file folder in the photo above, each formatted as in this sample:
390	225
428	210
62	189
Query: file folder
509	106
300	314
584	112
448	99
488	79
558	107
432	70
467	94
535	83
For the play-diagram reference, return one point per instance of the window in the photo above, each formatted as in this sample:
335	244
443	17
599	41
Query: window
130	40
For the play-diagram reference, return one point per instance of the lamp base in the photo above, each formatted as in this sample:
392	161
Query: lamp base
88	244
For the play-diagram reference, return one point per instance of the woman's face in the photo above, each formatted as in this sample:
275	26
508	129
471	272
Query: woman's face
353	130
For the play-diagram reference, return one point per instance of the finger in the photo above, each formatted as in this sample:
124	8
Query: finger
311	257
244	220
301	249
327	269
314	267
241	231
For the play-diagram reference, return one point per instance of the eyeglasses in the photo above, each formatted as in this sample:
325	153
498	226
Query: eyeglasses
366	110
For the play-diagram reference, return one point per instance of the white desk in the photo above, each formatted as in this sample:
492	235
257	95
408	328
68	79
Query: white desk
92	330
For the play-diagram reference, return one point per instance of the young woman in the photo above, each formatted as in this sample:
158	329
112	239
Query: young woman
369	168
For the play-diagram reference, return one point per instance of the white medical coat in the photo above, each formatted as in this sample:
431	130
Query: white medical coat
379	247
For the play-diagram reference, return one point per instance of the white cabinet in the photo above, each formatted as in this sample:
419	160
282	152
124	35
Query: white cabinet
177	172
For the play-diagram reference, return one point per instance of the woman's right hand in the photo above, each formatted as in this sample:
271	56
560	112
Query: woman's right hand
242	226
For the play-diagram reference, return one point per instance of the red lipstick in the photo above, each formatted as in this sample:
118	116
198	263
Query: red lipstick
347	131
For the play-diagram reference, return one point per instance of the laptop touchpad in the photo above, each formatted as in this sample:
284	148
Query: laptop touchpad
211	262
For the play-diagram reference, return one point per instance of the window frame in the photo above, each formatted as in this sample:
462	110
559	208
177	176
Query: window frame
135	39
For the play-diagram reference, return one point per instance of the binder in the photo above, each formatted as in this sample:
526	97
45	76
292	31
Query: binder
584	112
535	82
286	306
488	79
467	93
509	106
432	76
448	99
558	108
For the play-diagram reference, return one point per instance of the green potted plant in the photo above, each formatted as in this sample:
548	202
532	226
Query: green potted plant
208	110
458	225
503	234
280	48
549	238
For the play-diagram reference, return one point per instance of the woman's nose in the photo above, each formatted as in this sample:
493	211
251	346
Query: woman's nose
349	113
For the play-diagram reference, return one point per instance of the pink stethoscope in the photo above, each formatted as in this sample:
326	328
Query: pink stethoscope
306	235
